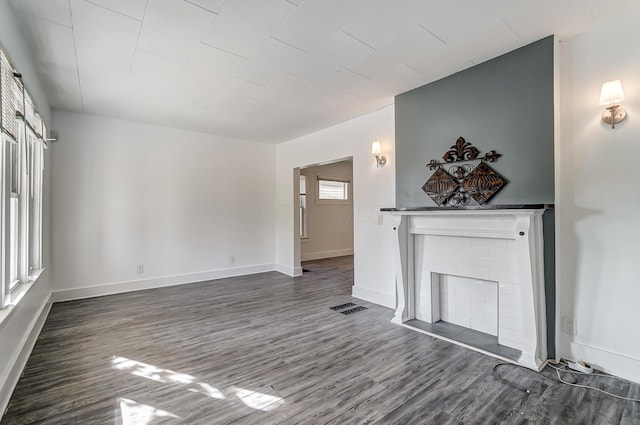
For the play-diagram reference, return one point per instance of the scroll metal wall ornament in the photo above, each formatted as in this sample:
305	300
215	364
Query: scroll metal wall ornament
460	182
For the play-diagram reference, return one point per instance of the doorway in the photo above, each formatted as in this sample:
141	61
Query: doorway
324	223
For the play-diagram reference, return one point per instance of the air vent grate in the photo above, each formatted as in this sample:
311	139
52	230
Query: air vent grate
353	310
341	306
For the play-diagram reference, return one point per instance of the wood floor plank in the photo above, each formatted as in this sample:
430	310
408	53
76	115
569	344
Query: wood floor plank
266	349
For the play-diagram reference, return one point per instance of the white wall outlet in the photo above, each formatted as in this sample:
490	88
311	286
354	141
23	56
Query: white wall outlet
569	325
140	268
232	259
380	219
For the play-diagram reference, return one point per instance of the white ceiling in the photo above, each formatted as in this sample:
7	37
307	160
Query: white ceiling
271	70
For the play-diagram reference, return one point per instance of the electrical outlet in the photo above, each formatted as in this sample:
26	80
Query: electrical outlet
140	268
569	325
380	219
232	259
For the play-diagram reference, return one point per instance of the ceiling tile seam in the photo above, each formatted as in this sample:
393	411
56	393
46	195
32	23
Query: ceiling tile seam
75	52
262	86
113	11
358	74
433	34
149	52
415	69
223	50
300	77
290	45
206	33
358	40
48	20
293	11
201	7
126	85
508	25
223	7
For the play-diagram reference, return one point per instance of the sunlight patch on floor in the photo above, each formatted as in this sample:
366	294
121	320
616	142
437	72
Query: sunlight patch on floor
142	414
150	372
259	401
134	413
208	390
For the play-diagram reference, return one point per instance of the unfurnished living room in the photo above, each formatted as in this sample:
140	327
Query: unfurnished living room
319	212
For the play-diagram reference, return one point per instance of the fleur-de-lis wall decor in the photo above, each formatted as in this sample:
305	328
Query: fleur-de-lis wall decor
460	183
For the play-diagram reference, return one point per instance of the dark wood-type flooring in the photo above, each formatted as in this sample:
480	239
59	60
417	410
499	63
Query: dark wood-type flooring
266	349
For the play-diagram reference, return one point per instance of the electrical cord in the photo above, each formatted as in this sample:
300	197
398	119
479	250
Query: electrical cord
558	370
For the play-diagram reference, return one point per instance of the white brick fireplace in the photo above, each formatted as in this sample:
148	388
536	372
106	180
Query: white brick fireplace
477	268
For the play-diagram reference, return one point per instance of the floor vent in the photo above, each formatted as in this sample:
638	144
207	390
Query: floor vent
353	310
341	306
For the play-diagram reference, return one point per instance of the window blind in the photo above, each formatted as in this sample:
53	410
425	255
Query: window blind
9	91
38	125
29	110
333	190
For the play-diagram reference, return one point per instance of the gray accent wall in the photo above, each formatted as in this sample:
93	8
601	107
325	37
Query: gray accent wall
504	104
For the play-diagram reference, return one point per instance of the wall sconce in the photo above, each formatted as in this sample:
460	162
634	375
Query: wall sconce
376	151
610	96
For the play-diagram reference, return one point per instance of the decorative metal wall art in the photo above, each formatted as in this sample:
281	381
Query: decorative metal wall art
459	183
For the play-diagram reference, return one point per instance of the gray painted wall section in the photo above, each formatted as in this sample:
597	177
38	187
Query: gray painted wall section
505	104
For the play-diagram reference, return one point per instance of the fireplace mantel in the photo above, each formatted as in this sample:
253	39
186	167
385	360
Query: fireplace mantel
495	235
469	208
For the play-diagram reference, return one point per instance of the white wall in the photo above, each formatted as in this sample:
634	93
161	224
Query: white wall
373	188
329	224
180	203
598	204
20	328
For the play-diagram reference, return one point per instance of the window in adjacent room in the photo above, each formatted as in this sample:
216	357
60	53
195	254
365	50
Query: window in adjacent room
333	189
303	207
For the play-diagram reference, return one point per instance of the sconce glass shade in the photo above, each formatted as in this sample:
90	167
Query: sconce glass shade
376	149
611	93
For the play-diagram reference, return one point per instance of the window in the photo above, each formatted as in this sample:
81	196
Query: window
303	207
333	189
36	171
21	183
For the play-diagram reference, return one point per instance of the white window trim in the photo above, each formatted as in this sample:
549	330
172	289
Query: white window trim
304	210
11	296
17	294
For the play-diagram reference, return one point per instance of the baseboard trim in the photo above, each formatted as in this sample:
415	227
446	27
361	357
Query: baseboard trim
319	255
288	270
622	365
380	298
138	285
10	380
